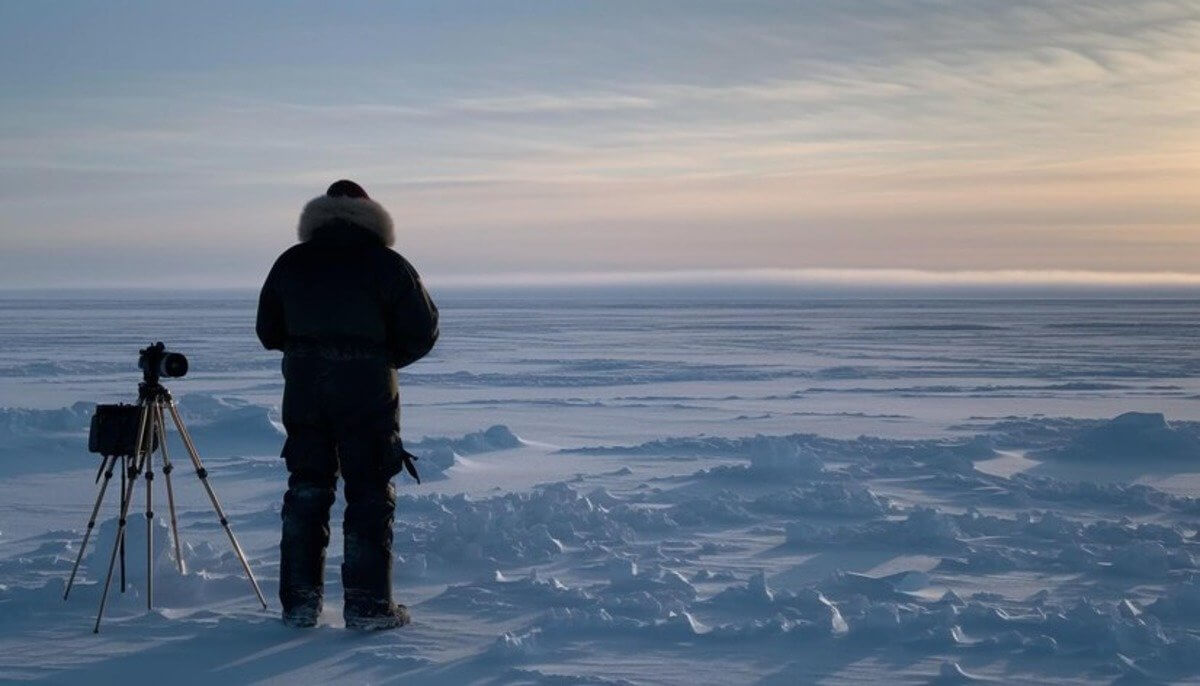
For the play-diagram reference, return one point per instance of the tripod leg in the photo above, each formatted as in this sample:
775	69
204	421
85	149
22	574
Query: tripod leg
109	462
149	473
202	473
167	469
126	469
125	501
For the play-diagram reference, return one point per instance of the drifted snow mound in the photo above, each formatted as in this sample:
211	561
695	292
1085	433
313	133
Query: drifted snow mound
497	437
842	499
924	529
1130	436
875	611
212	573
827	499
16	422
27	432
659	609
771	458
440	533
513	529
227	426
779	457
716	446
631	594
437	454
206	558
498	595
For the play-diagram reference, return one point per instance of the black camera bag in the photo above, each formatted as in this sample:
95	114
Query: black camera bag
114	430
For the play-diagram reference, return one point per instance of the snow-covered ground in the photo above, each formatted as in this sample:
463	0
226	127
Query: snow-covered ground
656	491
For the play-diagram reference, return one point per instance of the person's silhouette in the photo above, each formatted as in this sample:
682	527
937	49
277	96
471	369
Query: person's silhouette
346	311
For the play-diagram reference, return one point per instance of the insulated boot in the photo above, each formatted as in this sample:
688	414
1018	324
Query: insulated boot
302	616
367	565
392	616
302	549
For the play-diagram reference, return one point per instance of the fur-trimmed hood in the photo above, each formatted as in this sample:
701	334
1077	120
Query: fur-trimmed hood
363	212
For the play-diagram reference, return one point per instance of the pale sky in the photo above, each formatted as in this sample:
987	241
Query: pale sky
177	142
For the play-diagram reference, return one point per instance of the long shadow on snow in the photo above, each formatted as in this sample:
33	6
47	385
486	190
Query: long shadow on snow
244	650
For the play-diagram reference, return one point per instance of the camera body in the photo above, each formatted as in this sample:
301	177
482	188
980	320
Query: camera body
156	361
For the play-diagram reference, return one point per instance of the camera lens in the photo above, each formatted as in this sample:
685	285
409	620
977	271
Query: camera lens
173	365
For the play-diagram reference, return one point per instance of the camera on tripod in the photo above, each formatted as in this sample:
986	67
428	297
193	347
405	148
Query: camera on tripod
114	429
127	437
156	361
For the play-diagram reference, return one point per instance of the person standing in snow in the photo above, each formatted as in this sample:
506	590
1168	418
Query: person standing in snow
347	312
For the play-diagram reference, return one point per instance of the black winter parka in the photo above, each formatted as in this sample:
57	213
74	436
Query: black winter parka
342	288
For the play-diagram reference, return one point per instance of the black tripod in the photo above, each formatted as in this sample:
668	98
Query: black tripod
152	431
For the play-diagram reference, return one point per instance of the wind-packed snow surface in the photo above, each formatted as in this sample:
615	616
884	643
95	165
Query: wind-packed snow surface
675	492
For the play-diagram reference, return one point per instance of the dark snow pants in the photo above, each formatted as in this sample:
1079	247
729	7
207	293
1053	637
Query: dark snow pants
341	415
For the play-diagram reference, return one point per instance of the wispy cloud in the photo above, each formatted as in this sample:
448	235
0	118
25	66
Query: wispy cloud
825	134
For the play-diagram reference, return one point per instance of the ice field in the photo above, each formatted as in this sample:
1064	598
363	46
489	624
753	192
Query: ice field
654	490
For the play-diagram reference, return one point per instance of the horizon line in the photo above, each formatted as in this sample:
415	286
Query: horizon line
778	279
833	277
